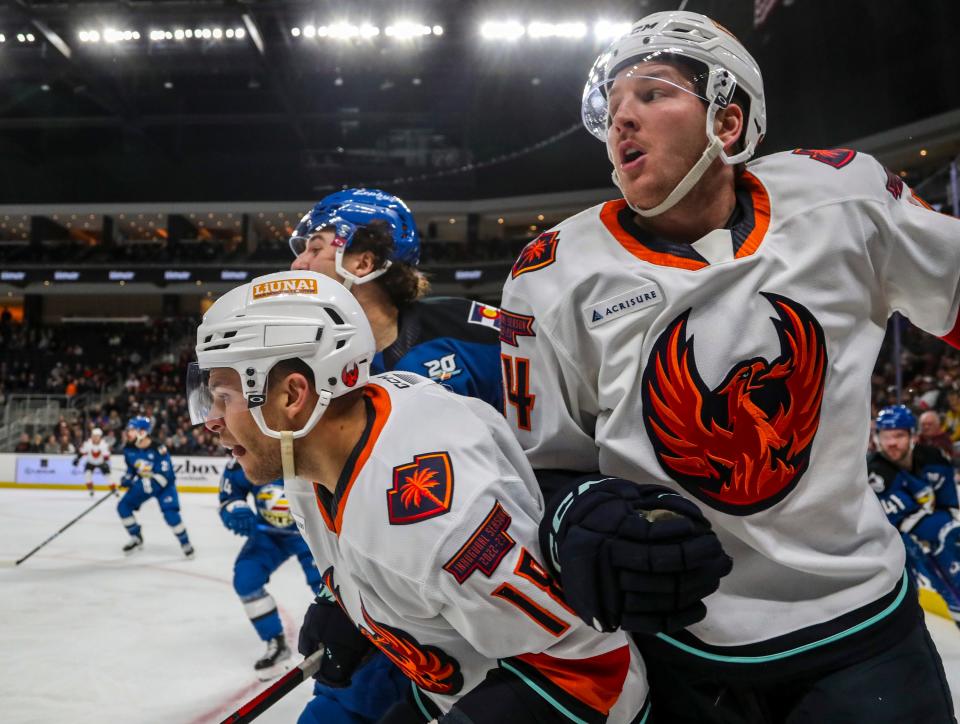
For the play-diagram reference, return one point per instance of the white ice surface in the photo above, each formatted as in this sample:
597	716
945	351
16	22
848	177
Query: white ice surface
88	635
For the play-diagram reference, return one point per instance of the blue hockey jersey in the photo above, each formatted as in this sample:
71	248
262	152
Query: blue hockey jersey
451	340
151	465
918	500
270	501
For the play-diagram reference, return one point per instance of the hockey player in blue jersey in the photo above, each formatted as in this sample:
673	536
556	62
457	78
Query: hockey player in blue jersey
149	475
272	538
367	240
916	487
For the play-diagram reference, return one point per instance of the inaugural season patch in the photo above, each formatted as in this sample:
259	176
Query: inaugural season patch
485	549
515	325
422	489
635	300
539	253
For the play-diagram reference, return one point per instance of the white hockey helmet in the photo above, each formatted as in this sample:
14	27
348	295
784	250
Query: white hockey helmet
288	315
726	66
96	432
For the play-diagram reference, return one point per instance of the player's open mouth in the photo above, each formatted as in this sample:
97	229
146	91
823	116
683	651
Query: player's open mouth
630	156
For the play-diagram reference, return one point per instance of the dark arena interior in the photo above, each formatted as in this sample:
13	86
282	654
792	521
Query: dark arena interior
158	154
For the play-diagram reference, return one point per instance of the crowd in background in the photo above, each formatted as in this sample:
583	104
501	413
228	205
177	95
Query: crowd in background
930	386
138	370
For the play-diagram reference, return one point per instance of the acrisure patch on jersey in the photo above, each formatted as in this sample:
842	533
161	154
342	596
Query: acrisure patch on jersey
485	314
539	253
421	490
486	547
514	325
636	300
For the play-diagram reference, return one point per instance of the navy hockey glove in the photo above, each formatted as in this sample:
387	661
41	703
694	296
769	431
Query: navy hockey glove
631	556
345	648
76	460
237	517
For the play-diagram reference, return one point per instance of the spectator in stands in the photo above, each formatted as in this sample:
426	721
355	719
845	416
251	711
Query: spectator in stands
51	446
23	444
66	447
933	434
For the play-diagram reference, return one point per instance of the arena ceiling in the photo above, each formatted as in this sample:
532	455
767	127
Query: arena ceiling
252	109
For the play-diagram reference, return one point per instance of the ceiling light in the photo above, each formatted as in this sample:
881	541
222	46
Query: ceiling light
502	30
295	32
239	33
605	30
556	30
438	30
217	33
309	31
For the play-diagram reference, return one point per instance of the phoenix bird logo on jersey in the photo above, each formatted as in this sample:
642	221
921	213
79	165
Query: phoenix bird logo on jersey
539	253
743	446
836	157
422	489
428	667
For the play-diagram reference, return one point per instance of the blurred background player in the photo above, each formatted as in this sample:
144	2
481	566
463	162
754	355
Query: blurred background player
915	484
96	456
367	240
272	537
149	475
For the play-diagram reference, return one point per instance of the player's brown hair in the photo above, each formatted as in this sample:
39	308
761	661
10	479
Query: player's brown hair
404	283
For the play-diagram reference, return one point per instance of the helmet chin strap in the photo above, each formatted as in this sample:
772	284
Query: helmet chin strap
711	152
349	278
286	455
287	437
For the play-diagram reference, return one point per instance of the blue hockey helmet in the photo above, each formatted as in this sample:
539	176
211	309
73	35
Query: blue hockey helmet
346	211
141	424
896	417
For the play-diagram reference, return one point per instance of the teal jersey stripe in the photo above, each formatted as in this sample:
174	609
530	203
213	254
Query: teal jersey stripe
416	698
553	702
799	649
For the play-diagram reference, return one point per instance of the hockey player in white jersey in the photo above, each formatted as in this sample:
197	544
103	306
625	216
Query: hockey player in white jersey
95	454
418	505
714	331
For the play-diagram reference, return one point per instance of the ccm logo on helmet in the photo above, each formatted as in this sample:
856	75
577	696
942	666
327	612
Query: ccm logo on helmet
284	286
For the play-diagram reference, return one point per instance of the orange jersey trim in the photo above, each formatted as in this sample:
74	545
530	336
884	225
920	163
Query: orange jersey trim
596	681
380	399
761	213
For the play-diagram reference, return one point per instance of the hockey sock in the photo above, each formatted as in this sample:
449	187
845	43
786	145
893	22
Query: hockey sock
262	612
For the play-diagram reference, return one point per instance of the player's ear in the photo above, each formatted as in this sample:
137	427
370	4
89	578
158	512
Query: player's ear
364	262
297	396
728	125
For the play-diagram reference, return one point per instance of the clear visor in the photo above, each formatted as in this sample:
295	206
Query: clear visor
211	396
342	229
664	71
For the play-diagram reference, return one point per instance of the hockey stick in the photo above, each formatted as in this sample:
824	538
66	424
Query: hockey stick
108	495
276	691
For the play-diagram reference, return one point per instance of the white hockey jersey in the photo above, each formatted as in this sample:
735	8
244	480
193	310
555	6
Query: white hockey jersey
95	453
430	545
736	369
